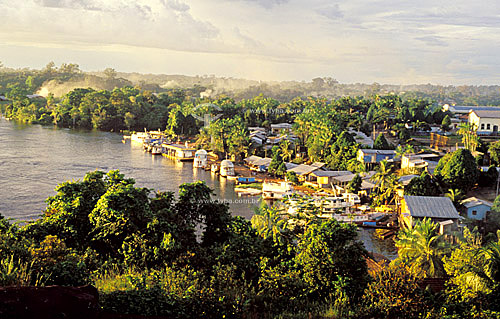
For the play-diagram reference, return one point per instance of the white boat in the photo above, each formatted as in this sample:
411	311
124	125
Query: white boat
226	168
156	150
200	159
139	137
276	190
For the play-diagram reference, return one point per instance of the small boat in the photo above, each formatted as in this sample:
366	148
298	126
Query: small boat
226	168
200	159
276	190
156	150
214	168
245	180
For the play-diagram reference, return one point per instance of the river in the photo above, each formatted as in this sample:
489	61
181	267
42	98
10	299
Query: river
35	158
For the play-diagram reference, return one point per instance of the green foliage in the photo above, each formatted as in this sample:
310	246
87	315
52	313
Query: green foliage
421	248
458	170
395	293
277	163
330	259
354	185
292	177
423	185
445	124
494	150
381	143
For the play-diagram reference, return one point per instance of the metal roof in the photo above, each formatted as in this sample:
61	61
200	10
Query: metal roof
431	206
488	113
474	201
405	180
252	159
468	108
319	173
374	151
303	169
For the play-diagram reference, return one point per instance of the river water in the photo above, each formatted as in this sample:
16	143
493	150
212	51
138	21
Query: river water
35	158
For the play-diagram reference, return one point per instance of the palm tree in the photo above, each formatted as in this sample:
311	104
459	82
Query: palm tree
469	136
268	222
385	180
456	195
286	153
422	249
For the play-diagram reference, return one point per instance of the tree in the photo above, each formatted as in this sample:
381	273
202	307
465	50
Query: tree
474	268
285	150
455	195
494	150
469	136
395	293
275	166
331	259
458	170
109	73
423	185
421	248
354	185
381	143
445	124
292	177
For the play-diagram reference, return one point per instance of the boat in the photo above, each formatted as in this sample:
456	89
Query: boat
200	159
245	180
214	168
277	190
226	168
180	152
247	191
156	149
139	137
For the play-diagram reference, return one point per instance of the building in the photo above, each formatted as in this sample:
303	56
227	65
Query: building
476	208
439	209
371	157
281	128
303	171
466	109
178	151
325	179
416	163
485	121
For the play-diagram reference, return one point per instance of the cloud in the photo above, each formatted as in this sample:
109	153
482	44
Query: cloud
332	12
72	4
268	4
177	5
432	40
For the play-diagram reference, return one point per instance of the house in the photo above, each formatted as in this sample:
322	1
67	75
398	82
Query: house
371	157
476	208
485	121
324	179
419	162
304	170
257	163
439	209
281	128
342	181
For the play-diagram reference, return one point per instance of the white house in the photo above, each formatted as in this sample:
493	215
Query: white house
485	121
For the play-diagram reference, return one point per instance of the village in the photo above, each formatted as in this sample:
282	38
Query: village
379	192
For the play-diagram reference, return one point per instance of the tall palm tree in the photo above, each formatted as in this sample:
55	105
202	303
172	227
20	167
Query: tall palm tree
384	178
469	136
422	249
268	222
286	152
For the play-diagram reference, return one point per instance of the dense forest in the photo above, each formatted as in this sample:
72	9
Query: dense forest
61	80
187	257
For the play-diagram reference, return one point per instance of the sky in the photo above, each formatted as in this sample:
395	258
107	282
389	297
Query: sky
391	41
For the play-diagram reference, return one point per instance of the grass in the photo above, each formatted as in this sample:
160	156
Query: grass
252	185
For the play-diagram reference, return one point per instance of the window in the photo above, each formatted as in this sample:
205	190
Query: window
482	126
488	126
474	213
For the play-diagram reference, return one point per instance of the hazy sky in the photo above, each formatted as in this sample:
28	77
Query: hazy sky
390	41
